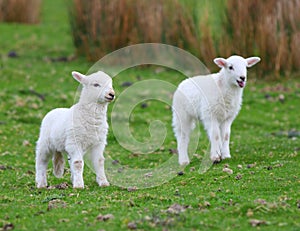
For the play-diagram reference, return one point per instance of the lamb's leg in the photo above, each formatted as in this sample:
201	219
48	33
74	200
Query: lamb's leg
76	165
182	129
225	133
58	164
98	164
41	162
214	135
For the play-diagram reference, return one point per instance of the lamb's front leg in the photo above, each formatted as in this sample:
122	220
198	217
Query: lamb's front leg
214	135
225	133
98	164
76	166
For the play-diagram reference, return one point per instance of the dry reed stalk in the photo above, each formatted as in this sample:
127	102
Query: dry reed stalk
266	28
20	11
102	26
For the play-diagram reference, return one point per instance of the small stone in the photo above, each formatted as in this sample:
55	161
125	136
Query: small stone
281	98
131	188
8	226
176	209
106	217
144	105
251	165
132	225
206	204
249	213
56	203
228	170
192	169
240	166
12	54
269	168
238	176
256	222
115	162
180	173
148	174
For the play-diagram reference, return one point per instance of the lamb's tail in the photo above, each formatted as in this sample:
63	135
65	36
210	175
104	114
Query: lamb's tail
58	164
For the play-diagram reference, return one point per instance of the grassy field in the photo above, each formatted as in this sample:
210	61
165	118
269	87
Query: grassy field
263	193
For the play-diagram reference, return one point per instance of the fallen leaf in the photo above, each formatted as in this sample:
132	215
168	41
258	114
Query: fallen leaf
131	188
106	217
132	225
228	170
176	209
256	222
250	213
238	176
56	203
8	226
148	174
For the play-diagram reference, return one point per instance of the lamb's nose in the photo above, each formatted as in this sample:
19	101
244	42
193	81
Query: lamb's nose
242	78
112	94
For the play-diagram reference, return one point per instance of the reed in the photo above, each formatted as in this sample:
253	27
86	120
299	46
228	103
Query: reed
266	28
20	11
102	26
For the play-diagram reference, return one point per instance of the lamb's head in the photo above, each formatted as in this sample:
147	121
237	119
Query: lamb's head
97	87
235	68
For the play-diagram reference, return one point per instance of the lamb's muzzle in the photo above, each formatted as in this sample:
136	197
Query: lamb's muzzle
110	95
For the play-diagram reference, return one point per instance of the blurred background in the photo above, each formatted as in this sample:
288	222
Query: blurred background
266	28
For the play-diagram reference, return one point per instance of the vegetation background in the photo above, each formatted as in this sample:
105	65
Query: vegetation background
36	61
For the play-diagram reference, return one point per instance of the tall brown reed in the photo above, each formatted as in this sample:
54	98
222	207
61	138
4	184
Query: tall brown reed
20	11
102	26
267	28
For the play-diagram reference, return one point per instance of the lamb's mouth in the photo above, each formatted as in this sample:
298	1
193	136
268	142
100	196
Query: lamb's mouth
111	98
241	83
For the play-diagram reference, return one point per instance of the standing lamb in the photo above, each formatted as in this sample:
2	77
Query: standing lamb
214	99
76	130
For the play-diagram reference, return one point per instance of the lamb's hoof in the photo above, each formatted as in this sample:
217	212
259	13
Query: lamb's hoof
184	162
79	186
216	160
104	183
41	185
226	156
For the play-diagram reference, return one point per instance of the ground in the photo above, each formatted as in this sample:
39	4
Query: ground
258	188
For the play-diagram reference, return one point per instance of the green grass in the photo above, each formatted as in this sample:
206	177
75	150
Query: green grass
265	187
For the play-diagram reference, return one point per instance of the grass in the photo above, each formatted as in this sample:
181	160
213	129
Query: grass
263	190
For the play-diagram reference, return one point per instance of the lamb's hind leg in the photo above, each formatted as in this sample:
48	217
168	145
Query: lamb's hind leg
182	128
98	164
41	163
58	164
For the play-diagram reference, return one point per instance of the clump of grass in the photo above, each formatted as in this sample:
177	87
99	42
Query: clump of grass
102	26
20	11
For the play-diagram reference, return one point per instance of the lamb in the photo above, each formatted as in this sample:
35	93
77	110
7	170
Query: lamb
214	99
76	130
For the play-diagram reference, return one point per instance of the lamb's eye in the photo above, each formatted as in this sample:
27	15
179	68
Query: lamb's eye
96	85
230	68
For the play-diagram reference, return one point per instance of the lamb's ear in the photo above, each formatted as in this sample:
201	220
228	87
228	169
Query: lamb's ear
221	62
78	76
251	61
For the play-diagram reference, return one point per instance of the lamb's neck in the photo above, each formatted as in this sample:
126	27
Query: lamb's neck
92	111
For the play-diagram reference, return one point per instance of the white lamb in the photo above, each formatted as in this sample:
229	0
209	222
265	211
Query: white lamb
76	130
214	99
